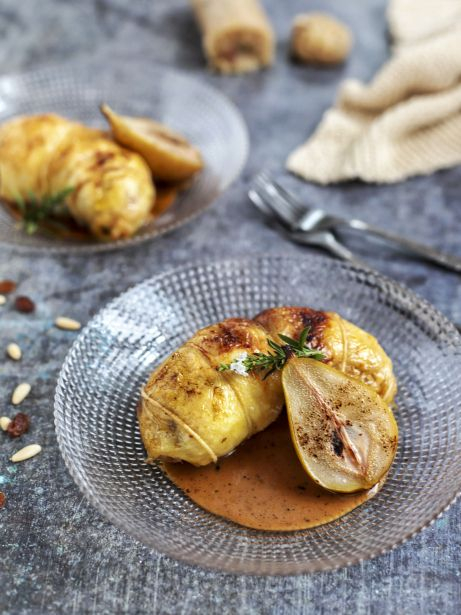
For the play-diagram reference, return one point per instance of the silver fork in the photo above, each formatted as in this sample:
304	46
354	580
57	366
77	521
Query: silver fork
301	218
322	238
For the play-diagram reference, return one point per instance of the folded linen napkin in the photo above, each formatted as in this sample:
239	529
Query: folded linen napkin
408	120
412	21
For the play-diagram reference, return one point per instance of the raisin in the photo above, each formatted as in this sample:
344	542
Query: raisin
24	304
2	499
7	286
19	425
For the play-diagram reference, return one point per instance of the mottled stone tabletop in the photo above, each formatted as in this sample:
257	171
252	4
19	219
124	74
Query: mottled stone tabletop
58	555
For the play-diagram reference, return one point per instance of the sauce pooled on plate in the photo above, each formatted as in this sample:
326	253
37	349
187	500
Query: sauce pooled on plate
263	486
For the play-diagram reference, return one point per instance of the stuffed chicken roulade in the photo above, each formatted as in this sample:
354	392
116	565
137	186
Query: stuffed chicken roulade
42	155
191	411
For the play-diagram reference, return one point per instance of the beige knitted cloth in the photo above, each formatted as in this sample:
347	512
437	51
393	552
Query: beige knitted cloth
407	121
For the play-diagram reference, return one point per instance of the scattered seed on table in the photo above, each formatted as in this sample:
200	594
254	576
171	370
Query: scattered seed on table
4	422
19	425
13	351
7	286
62	322
20	393
24	304
26	453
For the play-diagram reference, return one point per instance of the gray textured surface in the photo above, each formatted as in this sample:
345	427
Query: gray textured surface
57	554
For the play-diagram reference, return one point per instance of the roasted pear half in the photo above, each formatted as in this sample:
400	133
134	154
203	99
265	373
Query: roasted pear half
344	434
169	155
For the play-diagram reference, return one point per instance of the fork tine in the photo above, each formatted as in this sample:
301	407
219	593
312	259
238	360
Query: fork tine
259	203
290	198
262	177
295	207
261	182
264	180
277	202
272	203
324	239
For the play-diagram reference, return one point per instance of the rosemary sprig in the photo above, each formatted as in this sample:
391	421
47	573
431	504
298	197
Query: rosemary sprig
272	361
35	210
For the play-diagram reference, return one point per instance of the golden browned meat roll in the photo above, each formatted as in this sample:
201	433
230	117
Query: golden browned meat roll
191	411
346	347
113	193
237	35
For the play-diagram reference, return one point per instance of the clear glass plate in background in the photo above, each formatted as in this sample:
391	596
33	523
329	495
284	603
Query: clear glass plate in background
98	391
206	117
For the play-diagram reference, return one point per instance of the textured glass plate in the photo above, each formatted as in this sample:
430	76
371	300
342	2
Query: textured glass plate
207	118
98	391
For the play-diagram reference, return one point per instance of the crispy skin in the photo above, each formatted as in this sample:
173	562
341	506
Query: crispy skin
292	320
347	347
44	154
190	411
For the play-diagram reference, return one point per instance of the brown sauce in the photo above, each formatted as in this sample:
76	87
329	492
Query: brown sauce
165	196
263	486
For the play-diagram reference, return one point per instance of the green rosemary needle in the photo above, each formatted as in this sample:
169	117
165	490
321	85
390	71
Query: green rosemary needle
274	360
35	210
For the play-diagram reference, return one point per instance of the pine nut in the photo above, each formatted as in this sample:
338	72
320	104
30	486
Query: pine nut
4	422
2	299
62	322
26	453
20	393
14	352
